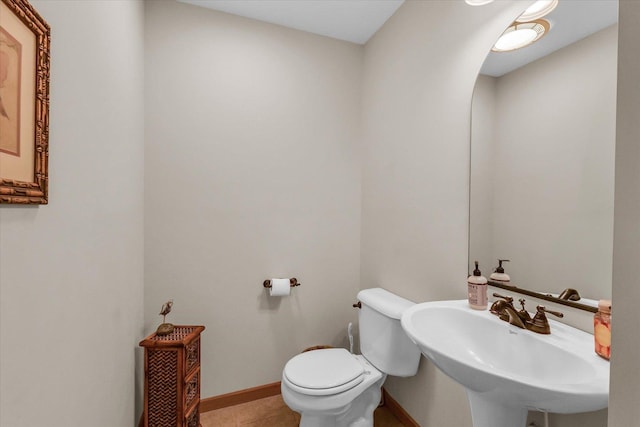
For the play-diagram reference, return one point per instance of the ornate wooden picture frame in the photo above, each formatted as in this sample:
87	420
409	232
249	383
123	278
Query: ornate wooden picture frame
25	40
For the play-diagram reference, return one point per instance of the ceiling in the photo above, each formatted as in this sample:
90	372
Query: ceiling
357	20
572	20
351	20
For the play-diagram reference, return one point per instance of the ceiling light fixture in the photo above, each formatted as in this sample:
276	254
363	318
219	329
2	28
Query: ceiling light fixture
478	2
519	35
537	10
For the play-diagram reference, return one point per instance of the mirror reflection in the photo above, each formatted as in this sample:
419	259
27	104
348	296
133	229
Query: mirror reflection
542	155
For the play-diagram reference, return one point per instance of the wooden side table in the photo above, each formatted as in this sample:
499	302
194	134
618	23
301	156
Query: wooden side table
172	378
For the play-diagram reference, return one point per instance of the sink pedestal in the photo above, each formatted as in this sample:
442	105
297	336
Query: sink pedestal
488	413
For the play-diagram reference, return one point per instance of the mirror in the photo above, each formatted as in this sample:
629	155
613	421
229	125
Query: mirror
543	156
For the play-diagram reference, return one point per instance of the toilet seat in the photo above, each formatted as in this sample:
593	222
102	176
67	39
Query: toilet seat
323	372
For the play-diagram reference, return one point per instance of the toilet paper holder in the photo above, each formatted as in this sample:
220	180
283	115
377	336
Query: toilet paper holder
293	282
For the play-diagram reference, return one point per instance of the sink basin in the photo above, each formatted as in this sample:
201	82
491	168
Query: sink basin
507	370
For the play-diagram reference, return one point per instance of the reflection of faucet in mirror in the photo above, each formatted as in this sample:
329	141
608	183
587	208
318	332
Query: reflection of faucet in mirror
569	294
572	295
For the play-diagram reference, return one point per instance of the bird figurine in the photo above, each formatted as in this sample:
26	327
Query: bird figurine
165	328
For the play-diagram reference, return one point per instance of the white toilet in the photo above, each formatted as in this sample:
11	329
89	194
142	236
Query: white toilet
334	388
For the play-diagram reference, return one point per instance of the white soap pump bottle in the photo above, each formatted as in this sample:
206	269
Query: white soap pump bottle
499	275
477	286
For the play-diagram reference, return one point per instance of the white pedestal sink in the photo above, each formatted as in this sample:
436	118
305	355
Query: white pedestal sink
507	370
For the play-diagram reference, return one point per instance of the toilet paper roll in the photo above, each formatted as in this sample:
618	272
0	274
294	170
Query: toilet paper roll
280	287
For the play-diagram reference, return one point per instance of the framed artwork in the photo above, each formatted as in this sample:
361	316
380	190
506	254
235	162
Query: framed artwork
24	104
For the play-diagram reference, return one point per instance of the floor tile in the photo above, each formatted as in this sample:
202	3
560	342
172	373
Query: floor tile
273	412
220	417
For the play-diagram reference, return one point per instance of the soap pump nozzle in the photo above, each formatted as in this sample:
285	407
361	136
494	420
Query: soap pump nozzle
500	269
499	275
477	271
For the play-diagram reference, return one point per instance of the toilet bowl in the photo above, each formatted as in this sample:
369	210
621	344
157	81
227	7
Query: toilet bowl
334	388
331	403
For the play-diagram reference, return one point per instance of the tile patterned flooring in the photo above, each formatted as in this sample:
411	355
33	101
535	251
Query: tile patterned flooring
273	412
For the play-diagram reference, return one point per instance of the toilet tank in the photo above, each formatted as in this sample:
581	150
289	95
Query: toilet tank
383	342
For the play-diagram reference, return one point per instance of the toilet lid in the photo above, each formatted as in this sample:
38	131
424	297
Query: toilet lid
322	372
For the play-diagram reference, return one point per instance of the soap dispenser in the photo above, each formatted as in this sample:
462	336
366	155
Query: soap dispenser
477	287
499	275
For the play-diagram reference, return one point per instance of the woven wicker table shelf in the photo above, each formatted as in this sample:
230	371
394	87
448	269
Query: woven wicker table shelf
172	378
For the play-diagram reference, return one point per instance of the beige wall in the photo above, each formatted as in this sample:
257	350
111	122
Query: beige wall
417	102
625	375
252	171
71	272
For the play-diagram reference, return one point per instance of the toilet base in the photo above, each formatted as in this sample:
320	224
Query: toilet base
358	413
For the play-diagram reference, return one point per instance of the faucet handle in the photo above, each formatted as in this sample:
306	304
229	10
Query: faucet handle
539	323
507	299
569	294
498	306
542	309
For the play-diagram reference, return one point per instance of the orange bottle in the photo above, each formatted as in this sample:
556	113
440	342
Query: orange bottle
602	329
